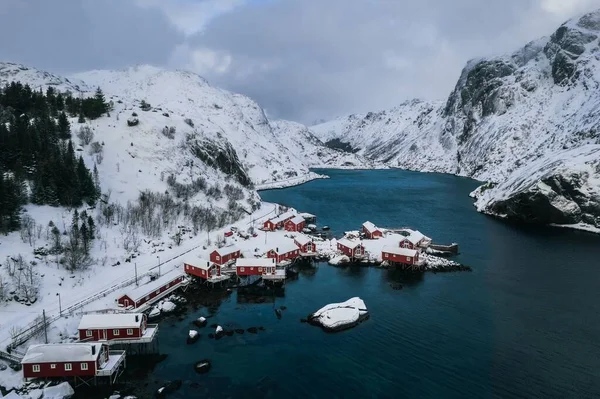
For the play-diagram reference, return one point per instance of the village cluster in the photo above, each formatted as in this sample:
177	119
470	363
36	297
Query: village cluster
91	357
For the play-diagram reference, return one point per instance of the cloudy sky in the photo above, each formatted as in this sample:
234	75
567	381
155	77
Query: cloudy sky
300	59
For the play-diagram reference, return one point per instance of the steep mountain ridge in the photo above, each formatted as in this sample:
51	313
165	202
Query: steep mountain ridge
519	121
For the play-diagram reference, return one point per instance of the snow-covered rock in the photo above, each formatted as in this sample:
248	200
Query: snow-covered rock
167	306
340	316
154	312
337	260
193	334
219	330
60	391
528	122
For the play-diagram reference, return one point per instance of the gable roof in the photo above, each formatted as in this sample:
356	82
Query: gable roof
285	247
199	263
48	353
110	320
283	217
228	250
349	244
399	251
252	262
370	227
297	220
302	239
138	293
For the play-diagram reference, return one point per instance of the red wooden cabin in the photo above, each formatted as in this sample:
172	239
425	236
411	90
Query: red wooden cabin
137	296
352	249
297	223
306	245
255	266
201	268
405	256
278	222
224	255
371	231
410	242
64	360
285	251
111	326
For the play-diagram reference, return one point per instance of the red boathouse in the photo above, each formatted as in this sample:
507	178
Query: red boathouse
406	256
306	245
297	223
201	268
278	222
352	249
155	288
112	326
224	255
255	266
75	360
371	231
287	250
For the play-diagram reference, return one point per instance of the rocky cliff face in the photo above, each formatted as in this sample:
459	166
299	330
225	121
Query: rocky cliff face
529	122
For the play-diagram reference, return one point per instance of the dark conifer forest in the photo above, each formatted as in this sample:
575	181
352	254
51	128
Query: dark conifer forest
38	161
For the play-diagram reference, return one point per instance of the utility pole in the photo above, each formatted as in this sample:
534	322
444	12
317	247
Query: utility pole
158	257
59	304
136	280
45	331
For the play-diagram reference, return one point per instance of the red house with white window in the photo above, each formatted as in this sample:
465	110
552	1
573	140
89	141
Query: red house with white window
287	250
221	256
352	249
255	266
414	239
155	288
83	360
297	223
371	231
278	222
405	256
112	326
306	245
410	242
201	268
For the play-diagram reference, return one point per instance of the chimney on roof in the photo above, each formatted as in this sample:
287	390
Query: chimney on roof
137	318
277	249
93	350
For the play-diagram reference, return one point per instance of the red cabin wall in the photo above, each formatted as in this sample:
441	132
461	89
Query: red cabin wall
406	244
223	259
290	226
198	272
400	258
98	334
46	371
152	294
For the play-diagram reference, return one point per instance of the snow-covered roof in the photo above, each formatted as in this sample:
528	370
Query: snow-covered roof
226	250
307	215
283	217
349	244
370	227
302	239
198	262
412	239
399	251
110	320
49	353
285	246
140	292
297	220
252	262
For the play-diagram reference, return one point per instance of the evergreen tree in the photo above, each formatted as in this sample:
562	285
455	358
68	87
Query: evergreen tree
81	118
75	229
57	248
96	180
91	227
100	106
64	127
85	237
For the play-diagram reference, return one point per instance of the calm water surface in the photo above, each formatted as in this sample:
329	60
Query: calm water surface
524	323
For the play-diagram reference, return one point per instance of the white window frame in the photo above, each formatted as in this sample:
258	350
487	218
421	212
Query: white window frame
252	269
68	367
53	366
130	331
242	269
116	331
84	366
408	258
260	269
36	368
218	257
88	333
157	291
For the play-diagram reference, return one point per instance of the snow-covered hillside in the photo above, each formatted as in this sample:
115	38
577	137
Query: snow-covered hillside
528	122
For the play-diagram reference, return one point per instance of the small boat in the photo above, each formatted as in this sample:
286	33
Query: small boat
306	230
325	228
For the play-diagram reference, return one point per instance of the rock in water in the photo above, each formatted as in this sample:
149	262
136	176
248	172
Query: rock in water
154	313
340	316
193	336
167	306
202	366
169	388
253	330
200	322
278	313
239	330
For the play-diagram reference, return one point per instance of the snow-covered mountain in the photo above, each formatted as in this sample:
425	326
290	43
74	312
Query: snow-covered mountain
528	123
188	130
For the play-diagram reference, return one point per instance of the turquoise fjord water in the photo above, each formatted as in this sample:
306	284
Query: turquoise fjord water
524	323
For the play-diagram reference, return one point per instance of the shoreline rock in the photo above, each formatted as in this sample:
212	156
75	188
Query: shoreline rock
340	316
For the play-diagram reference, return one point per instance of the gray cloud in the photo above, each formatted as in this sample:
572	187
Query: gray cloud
308	59
75	35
